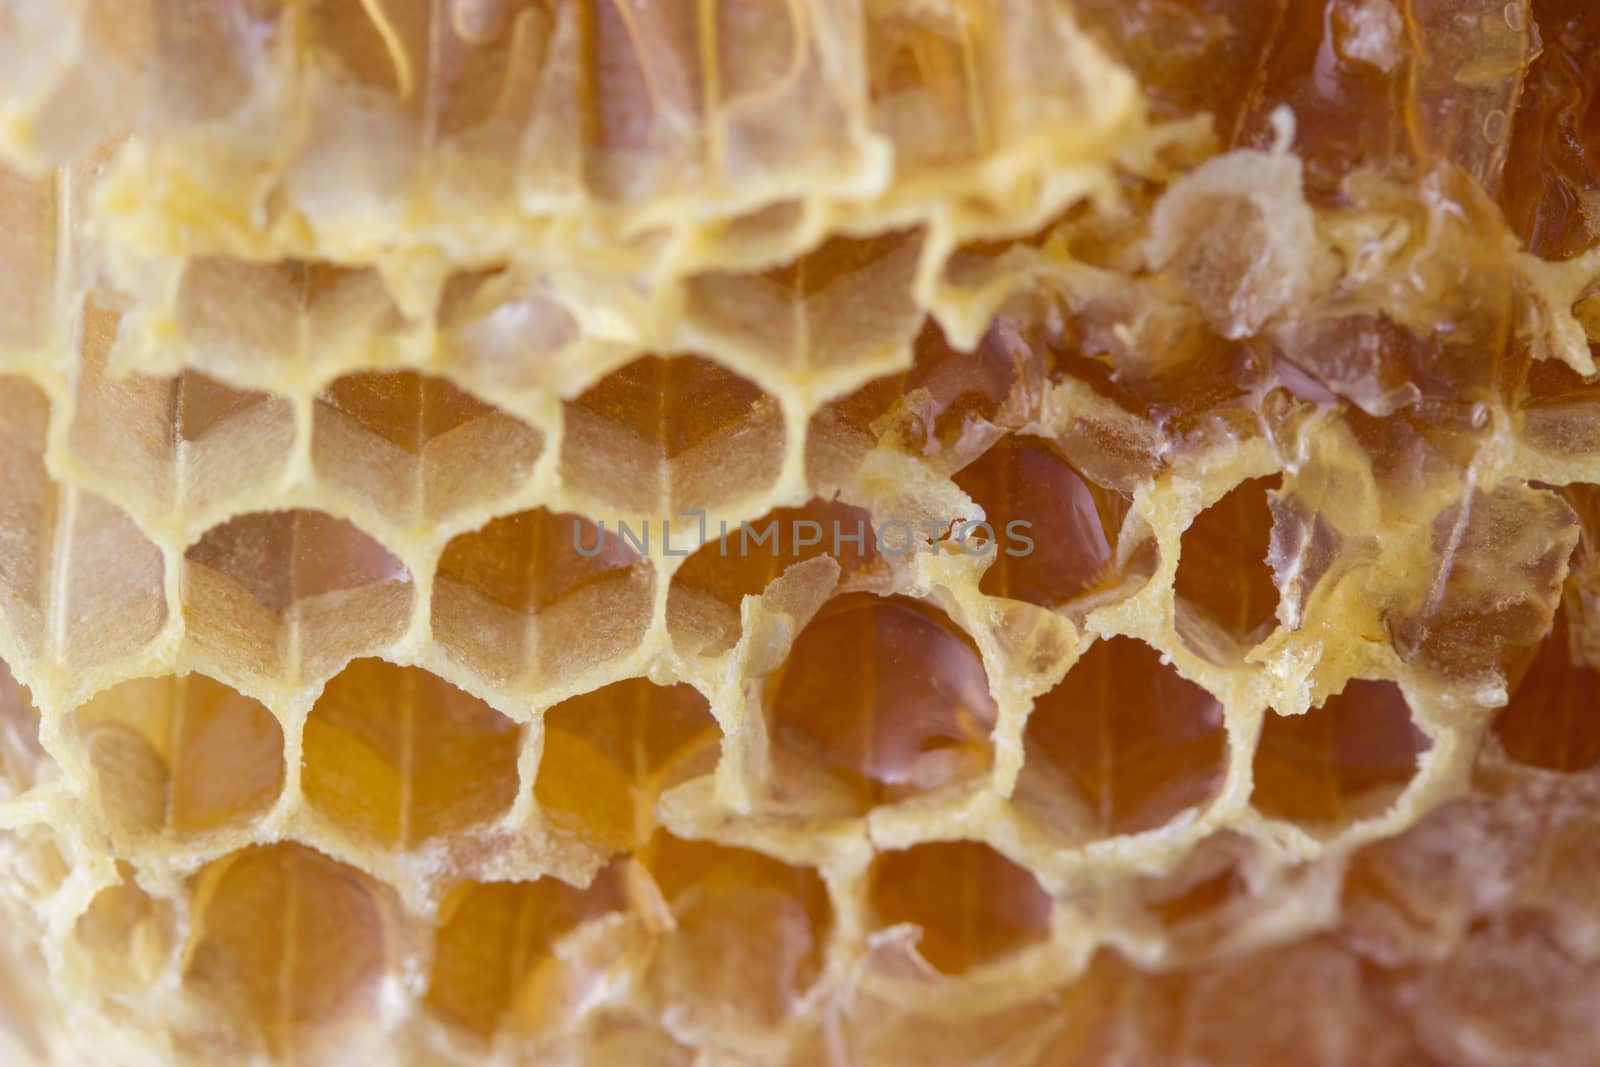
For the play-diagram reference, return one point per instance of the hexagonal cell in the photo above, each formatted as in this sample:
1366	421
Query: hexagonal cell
534	596
291	594
287	948
749	935
184	754
946	406
1123	744
126	934
1345	760
847	302
880	698
416	448
1226	598
397	756
1064	544
269	323
609	754
707	589
1552	720
23	761
495	959
187	443
1557	410
81	584
664	435
927	91
31	208
971	906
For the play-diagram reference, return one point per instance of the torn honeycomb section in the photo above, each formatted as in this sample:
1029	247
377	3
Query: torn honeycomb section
799	532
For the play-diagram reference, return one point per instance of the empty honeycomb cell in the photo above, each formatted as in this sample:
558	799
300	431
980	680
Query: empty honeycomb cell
846	303
503	332
398	756
81	583
945	406
188	443
1226	597
265	322
290	594
1123	744
1552	719
185	754
1555	134
926	89
495	958
1556	410
610	753
536	595
416	448
879	699
1344	760
1055	532
707	589
665	435
286	950
971	905
127	934
23	760
748	938
29	230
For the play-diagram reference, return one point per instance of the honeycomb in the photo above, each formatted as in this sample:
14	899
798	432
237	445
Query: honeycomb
850	533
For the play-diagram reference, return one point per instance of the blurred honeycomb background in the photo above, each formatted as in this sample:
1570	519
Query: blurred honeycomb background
347	348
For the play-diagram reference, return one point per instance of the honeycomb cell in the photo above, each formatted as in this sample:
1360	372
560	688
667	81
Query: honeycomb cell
846	303
1055	532
707	589
1123	744
29	230
127	934
534	596
1224	586
265	323
748	940
416	448
609	754
1552	719
1558	411
1344	760
923	86
287	948
1555	135
184	444
972	906
945	406
23	760
184	753
880	698
81	583
666	435
395	755
494	959
290	594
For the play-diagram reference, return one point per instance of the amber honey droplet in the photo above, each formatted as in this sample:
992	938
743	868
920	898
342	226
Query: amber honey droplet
493	953
399	756
1055	532
1223	574
973	906
609	754
1336	761
886	696
1123	743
